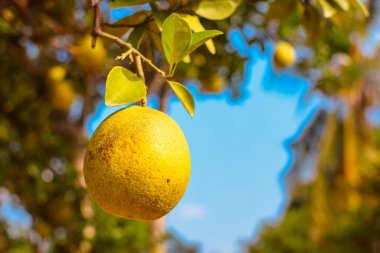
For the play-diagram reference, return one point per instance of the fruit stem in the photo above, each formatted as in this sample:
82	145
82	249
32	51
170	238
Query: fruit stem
140	71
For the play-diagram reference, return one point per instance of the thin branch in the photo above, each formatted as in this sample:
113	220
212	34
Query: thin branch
127	45
96	21
164	94
140	71
97	32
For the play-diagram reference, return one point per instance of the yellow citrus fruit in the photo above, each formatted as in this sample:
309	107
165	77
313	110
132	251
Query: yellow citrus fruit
214	84
63	95
44	229
284	54
56	73
90	59
137	164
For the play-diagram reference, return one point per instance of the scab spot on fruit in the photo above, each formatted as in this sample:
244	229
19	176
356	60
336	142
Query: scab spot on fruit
168	180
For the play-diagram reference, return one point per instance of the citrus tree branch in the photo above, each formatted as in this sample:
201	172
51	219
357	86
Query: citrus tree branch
98	32
140	71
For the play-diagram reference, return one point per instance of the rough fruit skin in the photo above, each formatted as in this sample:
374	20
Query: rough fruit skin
284	54
137	164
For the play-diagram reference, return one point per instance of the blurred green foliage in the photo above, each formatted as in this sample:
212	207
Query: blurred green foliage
42	142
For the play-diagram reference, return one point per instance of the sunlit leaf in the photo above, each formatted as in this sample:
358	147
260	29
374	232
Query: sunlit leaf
186	59
327	8
176	37
216	9
196	26
184	96
199	38
123	87
359	5
343	4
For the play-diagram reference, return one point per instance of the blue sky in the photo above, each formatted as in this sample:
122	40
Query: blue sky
238	151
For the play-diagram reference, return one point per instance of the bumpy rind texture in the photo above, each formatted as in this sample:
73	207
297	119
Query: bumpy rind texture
137	164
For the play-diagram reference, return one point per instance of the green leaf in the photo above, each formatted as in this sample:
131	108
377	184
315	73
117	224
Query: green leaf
312	22
196	26
155	36
199	38
343	4
216	9
184	96
123	87
136	36
327	8
186	59
159	15
133	20
176	37
359	5
125	3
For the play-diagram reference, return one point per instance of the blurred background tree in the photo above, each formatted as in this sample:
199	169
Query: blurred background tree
335	209
51	80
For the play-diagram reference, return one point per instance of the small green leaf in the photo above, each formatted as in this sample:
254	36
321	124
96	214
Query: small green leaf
199	38
176	37
186	59
359	5
216	9
125	3
123	87
196	26
184	96
327	8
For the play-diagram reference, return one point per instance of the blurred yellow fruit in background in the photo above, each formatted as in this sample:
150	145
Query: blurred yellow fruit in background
44	229
56	73
62	95
137	164
89	59
215	83
284	54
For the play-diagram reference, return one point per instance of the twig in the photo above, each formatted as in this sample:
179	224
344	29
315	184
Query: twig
164	94
140	71
96	21
97	32
125	55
